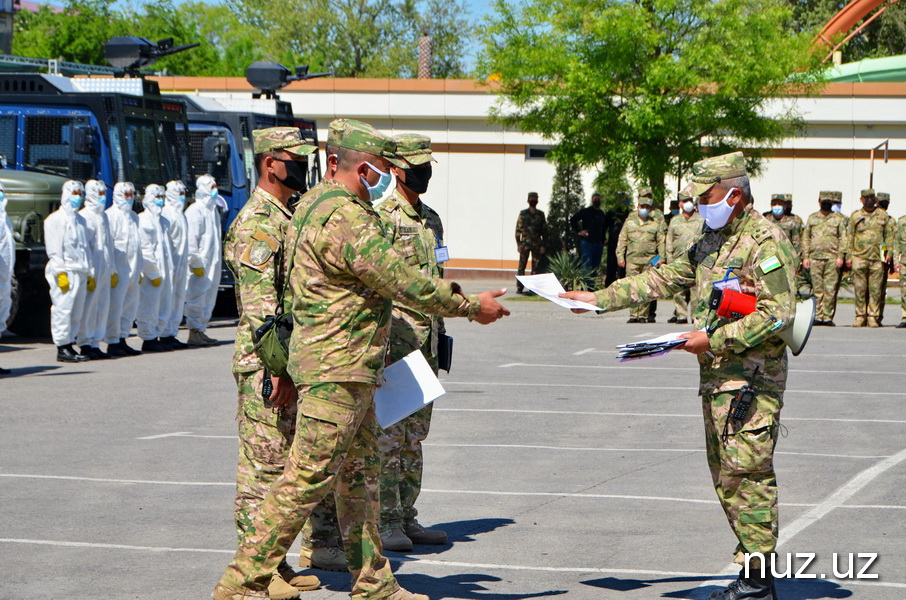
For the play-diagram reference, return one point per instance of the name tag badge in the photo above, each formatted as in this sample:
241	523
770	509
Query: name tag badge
441	254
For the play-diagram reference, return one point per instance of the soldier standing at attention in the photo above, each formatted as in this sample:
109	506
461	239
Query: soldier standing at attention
658	216
823	241
777	215
884	202
254	252
417	233
682	231
343	276
900	251
869	239
531	238
641	247
734	355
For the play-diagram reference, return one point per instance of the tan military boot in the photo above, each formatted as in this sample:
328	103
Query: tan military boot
195	338
303	583
211	341
859	322
222	592
278	589
873	322
327	557
421	535
404	594
395	541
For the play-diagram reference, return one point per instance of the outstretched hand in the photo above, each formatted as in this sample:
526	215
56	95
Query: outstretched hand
698	343
491	310
587	297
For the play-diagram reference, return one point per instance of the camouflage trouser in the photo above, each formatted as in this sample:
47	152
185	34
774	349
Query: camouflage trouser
825	284
681	304
868	279
902	292
265	438
401	468
639	311
537	263
335	447
742	468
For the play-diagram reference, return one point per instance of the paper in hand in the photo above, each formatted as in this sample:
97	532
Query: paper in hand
548	287
409	385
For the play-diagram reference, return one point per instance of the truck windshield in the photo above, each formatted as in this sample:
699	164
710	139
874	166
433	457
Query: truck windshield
48	147
220	171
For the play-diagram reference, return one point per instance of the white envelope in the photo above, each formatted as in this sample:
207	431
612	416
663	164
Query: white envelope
409	385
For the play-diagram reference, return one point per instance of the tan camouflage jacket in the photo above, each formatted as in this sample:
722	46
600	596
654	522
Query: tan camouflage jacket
900	244
868	233
824	236
414	232
253	249
791	226
531	229
640	241
344	279
682	232
761	256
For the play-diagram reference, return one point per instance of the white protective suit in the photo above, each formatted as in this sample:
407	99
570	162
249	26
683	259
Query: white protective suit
174	212
204	254
156	293
127	253
67	241
97	303
7	262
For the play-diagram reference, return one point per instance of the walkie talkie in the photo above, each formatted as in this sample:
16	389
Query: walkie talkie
739	408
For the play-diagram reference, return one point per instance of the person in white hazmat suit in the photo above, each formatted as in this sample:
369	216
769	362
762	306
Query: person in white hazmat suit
68	270
127	253
204	260
156	290
174	212
97	303
7	264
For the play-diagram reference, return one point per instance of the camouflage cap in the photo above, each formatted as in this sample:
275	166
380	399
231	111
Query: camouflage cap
362	137
414	148
710	171
834	196
867	192
645	192
883	196
781	197
289	139
683	195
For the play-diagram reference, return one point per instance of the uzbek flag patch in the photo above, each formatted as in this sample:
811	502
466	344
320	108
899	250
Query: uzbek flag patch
769	264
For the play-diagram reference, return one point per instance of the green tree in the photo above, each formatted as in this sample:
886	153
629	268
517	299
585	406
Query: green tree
77	34
567	198
361	38
885	36
648	86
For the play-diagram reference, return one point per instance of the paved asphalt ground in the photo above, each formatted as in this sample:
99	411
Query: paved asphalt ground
555	470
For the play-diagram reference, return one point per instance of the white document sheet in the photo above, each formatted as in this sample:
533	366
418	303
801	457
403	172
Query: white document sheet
548	287
409	385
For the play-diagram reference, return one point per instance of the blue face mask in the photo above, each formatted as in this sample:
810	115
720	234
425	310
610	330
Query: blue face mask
214	193
2	196
182	198
778	210
75	200
102	200
158	200
380	187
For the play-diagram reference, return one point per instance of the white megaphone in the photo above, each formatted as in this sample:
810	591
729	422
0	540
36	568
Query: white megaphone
734	305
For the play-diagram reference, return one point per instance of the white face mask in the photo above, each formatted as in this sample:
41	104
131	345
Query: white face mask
643	212
688	206
836	208
716	215
778	210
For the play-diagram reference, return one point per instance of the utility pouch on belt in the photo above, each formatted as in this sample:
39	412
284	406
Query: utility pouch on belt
272	343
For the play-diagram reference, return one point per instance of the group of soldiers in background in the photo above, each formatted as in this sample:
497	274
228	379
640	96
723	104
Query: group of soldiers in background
870	243
111	267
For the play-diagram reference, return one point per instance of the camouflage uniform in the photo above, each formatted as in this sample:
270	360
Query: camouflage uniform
531	236
343	278
745	351
414	232
253	251
639	242
868	240
823	240
900	257
681	233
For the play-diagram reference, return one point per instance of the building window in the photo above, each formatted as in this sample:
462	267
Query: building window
537	152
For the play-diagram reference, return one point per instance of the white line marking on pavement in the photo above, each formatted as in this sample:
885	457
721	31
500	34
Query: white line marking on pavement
838	498
581	352
648	368
165	435
111	480
431	562
619	414
635	387
581	449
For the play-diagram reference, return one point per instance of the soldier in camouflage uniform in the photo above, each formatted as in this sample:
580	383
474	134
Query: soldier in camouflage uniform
869	240
732	353
343	276
658	215
683	230
884	202
253	251
415	231
900	257
823	241
642	240
531	239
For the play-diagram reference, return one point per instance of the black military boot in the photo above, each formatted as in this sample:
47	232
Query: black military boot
68	354
748	588
116	351
154	346
174	343
128	349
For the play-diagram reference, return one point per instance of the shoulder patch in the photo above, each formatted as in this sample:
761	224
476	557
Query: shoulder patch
769	264
263	211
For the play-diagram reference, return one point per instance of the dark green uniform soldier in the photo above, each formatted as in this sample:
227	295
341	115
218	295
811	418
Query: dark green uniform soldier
743	362
531	239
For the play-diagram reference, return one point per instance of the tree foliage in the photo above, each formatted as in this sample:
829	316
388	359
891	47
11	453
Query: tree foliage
885	36
567	198
648	86
362	38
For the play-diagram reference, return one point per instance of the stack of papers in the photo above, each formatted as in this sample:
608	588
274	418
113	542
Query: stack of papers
654	347
547	286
